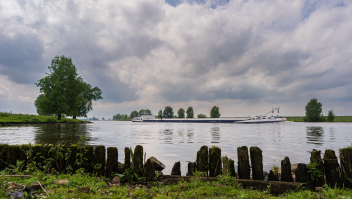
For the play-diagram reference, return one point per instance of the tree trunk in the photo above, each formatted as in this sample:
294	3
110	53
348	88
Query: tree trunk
74	117
59	116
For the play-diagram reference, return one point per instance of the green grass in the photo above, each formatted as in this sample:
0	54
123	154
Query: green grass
337	118
24	118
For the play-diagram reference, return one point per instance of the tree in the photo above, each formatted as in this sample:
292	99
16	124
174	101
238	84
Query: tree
168	112
144	111
190	113
202	116
215	113
64	91
133	113
313	111
39	111
160	114
331	116
181	113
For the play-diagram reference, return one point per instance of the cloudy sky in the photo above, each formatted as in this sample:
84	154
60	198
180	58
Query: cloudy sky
244	56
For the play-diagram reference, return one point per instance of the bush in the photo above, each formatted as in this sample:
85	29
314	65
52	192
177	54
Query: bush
51	120
331	116
202	116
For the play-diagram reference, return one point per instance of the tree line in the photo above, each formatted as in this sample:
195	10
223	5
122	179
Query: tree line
314	112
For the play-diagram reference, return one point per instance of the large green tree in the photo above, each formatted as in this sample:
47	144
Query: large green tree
314	111
215	113
160	114
133	113
168	112
181	113
190	113
39	111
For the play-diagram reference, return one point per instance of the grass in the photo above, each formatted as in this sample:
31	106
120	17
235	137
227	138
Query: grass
24	118
337	118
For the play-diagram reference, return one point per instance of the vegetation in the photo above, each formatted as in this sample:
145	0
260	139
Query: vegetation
168	112
64	91
121	117
215	113
201	116
315	173
331	116
314	111
133	113
181	113
25	118
190	113
144	111
337	118
160	114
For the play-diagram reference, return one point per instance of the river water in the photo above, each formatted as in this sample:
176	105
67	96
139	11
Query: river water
172	142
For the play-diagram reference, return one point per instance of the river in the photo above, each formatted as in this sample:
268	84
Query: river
172	142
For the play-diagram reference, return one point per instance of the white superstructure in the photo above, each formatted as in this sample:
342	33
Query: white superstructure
265	119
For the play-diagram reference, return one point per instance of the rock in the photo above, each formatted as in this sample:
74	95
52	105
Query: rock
35	186
149	169
318	188
14	185
286	175
192	167
83	189
176	170
157	164
61	182
116	180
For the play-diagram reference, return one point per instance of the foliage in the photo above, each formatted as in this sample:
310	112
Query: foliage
331	116
121	117
21	118
337	118
181	113
201	116
190	113
315	173
275	170
87	95
144	111
133	113
313	111
215	113
39	111
160	114
168	112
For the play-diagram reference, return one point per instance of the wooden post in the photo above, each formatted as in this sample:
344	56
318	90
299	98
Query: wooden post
99	160
331	167
214	161
286	175
149	169
13	154
202	160
176	169
138	160
111	163
243	163
88	157
127	158
346	167
257	163
303	176
273	176
3	155
316	157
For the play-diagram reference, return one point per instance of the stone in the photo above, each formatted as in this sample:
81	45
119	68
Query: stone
149	169
286	175
214	161
316	157
176	169
60	182
243	163
192	167
35	186
257	163
83	189
116	180
138	160
202	159
159	166
331	168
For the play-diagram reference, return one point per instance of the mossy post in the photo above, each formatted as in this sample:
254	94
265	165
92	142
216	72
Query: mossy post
202	163
3	155
257	163
138	160
228	167
192	167
111	163
214	161
176	169
23	156
273	176
316	157
99	160
73	157
149	170
13	154
243	163
286	175
36	153
331	168
45	159
303	176
346	167
88	155
127	158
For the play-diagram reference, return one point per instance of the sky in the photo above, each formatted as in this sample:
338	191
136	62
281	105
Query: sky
244	56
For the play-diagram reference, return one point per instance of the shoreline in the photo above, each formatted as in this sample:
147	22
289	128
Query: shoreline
38	123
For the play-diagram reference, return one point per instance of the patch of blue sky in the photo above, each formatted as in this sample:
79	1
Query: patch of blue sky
308	8
214	3
340	4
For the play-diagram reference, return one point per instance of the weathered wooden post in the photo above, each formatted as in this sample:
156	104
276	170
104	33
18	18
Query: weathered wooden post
138	160
228	167
346	167
244	170
127	158
257	163
111	162
286	175
35	156
192	167
88	157
23	156
316	157
214	161
273	176
13	154
331	167
303	176
46	156
3	155
149	169
202	160
176	169
99	160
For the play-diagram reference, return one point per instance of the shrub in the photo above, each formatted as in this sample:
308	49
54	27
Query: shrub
331	116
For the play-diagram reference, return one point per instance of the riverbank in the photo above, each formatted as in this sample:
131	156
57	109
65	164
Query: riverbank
8	119
337	118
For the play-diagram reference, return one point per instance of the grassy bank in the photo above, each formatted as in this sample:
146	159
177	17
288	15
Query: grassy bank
337	118
8	118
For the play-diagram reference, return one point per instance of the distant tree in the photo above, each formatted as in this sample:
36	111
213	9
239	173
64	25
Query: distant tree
331	116
314	111
144	111
160	114
168	112
190	113
215	113
181	113
202	116
133	113
39	111
103	118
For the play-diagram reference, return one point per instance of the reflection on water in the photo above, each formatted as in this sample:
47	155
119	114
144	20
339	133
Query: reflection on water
215	134
315	135
66	133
